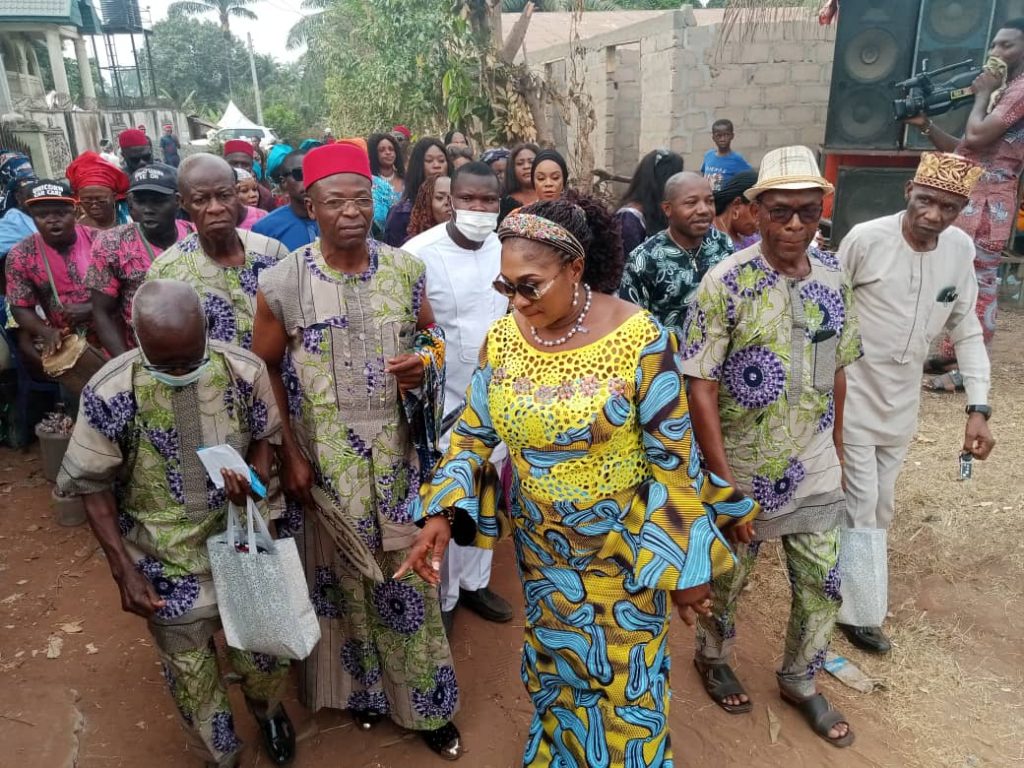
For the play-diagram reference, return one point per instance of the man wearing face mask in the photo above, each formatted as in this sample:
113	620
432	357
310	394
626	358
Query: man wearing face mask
122	256
662	273
219	260
151	506
462	257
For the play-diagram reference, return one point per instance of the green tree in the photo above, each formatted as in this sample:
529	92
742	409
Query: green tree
304	30
393	61
224	9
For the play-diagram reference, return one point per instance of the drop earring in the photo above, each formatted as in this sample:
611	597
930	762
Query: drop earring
576	295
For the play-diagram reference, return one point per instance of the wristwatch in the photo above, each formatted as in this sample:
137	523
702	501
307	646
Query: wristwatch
984	410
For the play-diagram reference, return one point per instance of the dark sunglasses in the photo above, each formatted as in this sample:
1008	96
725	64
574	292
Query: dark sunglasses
783	214
528	291
294	173
170	369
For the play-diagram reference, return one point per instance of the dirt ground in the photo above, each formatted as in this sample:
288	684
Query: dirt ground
949	695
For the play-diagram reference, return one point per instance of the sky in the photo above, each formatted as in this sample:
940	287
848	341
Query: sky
268	33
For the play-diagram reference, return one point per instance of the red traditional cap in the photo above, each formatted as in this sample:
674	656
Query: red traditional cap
91	170
332	159
239	145
132	137
402	130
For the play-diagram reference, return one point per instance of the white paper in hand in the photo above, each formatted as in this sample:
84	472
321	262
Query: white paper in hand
218	457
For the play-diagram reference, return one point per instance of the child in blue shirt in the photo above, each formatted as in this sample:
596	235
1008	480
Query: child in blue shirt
722	164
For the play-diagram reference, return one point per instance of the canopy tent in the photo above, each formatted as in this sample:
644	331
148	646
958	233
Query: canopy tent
233	118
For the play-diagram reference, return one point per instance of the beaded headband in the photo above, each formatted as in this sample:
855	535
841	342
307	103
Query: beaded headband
532	227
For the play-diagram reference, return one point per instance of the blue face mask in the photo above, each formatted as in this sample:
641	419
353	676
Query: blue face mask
176	381
179	381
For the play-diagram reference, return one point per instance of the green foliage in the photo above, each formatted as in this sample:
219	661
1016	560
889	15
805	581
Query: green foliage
224	9
388	61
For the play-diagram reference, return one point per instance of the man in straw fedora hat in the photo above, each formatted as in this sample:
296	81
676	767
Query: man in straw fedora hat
764	351
913	278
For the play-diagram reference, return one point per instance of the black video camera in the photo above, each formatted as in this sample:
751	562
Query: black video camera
925	97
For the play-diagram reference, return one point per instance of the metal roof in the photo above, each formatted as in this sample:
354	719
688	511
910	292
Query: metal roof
76	13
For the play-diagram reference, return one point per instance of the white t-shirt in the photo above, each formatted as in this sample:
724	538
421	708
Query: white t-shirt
463	299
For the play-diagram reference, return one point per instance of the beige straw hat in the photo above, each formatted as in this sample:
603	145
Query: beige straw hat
789	168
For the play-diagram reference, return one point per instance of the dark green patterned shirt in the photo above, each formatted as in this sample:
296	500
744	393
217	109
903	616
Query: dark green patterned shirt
663	278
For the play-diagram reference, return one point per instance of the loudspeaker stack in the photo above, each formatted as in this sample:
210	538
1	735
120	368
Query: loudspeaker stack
869	155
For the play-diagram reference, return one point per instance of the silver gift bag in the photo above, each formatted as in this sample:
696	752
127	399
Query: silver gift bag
261	589
864	574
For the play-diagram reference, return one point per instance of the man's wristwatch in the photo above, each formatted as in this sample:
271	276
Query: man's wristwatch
984	410
926	129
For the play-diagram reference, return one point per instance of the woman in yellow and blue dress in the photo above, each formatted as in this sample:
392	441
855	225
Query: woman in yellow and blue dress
611	514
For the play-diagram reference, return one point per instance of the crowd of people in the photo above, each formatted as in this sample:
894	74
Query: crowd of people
438	349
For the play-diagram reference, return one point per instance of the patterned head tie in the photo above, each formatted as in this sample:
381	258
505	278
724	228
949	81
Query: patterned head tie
532	227
948	172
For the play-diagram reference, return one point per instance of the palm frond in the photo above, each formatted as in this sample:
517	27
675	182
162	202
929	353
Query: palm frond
753	16
190	8
244	13
304	30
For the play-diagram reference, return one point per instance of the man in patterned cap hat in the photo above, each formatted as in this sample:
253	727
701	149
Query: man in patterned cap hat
913	278
765	347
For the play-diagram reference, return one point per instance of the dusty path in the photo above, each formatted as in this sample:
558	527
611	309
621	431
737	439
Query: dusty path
953	684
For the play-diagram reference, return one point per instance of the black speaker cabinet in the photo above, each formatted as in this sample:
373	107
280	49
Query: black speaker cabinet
948	32
874	49
863	194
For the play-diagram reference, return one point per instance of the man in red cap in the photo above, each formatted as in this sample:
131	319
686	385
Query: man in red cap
136	149
240	153
219	260
170	146
347	332
98	186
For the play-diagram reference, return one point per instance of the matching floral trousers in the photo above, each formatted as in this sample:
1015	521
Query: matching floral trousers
812	560
195	682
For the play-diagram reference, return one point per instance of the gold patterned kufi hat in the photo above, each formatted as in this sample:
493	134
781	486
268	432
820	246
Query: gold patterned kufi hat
948	172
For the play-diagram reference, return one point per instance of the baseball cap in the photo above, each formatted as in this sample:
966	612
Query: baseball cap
158	177
50	190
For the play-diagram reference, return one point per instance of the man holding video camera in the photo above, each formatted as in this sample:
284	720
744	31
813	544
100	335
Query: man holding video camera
994	139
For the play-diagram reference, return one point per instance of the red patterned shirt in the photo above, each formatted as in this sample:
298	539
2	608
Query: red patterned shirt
119	262
992	207
28	283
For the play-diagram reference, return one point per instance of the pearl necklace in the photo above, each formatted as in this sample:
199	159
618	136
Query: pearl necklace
576	328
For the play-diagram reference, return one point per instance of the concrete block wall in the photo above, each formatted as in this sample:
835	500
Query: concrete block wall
663	83
773	84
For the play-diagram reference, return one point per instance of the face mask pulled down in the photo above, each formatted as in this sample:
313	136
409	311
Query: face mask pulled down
475	225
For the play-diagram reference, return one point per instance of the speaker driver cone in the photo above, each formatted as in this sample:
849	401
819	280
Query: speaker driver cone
871	55
953	20
864	115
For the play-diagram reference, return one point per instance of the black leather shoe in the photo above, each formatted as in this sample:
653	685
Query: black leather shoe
444	741
870	639
366	720
486	605
448	620
278	737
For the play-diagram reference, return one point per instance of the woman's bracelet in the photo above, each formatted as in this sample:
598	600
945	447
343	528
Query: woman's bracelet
926	129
